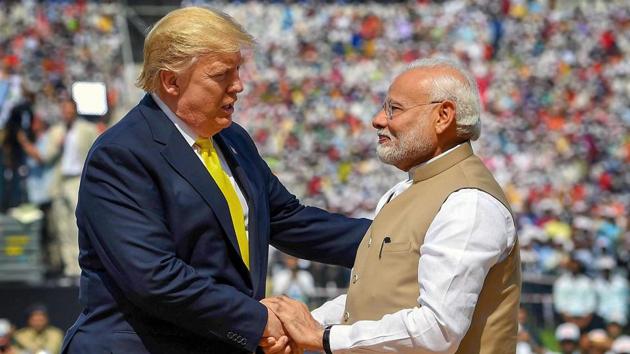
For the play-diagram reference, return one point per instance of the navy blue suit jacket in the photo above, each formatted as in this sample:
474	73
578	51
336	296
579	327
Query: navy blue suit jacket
161	269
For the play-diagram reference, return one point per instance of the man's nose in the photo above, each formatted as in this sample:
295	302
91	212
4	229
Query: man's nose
379	121
237	84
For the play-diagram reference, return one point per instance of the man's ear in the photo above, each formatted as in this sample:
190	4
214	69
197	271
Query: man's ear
445	117
168	81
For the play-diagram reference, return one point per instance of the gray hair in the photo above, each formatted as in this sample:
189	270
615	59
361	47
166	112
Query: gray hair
464	94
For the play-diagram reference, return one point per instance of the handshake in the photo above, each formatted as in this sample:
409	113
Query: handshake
290	327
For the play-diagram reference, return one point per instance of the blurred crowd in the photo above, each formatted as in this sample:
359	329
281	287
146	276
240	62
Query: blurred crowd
46	47
37	337
554	77
569	338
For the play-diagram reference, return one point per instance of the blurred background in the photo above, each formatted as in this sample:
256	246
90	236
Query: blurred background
554	77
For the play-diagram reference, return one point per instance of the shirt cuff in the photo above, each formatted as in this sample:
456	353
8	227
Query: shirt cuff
319	317
340	339
330	312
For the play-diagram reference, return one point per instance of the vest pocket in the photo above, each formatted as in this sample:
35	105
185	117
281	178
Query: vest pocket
396	247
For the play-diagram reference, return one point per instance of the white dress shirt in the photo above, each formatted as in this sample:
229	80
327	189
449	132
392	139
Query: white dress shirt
471	233
71	161
191	137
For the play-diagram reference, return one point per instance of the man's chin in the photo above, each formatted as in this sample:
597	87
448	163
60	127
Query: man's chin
386	154
386	148
224	122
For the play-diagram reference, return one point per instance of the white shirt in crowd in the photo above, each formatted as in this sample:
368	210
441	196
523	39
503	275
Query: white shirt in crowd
613	297
190	137
574	295
296	284
71	159
471	233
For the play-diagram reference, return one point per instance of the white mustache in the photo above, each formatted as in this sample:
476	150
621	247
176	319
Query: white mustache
382	132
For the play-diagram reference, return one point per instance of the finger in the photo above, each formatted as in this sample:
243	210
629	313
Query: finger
281	306
267	300
289	302
275	308
279	346
266	350
267	342
284	316
284	298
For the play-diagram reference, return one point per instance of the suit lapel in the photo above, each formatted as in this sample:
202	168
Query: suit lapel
236	162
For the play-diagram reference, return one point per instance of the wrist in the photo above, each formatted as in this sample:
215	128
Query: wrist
269	324
326	339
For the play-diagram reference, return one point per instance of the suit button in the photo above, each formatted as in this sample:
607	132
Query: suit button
355	278
346	316
370	242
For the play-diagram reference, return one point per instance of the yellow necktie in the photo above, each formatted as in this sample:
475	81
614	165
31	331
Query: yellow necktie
213	165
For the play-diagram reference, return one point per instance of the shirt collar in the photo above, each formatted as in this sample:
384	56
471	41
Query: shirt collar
413	169
181	126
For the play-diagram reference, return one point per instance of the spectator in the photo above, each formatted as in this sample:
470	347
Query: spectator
597	342
527	331
574	295
613	292
79	136
621	345
614	329
39	336
293	282
14	157
6	346
43	161
568	335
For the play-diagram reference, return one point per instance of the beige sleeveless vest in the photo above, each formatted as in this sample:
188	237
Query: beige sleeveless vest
385	281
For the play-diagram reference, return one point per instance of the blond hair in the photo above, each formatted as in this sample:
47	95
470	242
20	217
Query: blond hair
183	35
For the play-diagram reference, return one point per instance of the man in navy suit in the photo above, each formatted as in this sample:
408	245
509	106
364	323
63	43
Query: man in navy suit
177	209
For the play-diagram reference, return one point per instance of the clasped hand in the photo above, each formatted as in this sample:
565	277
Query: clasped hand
290	327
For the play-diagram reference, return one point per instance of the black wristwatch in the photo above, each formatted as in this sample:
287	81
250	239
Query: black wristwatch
326	340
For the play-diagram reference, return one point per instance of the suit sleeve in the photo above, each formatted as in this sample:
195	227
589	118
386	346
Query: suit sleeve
309	232
120	210
312	233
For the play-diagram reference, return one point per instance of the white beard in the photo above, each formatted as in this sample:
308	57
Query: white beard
409	145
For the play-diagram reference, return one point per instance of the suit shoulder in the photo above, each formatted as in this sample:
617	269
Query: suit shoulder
127	132
236	131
